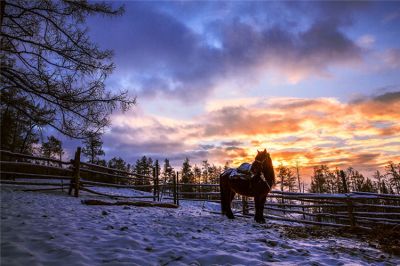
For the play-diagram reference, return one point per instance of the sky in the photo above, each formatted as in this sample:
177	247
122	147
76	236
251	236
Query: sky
312	82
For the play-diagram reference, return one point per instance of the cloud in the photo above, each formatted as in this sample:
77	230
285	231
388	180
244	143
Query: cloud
366	41
231	143
392	16
158	54
239	120
380	107
391	58
361	133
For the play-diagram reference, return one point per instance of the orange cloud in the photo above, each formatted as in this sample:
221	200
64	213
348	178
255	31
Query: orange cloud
363	134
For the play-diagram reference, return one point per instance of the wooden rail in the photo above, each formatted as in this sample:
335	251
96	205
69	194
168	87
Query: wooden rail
356	209
23	166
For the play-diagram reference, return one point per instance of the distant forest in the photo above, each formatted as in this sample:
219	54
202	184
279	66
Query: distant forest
323	179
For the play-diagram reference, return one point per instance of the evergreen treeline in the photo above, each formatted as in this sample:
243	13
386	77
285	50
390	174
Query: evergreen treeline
323	180
326	180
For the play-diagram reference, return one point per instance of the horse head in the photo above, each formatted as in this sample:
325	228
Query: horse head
263	164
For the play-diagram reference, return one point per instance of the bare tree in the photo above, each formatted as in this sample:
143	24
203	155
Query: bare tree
48	61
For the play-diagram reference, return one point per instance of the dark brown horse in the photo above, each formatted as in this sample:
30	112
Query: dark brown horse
258	185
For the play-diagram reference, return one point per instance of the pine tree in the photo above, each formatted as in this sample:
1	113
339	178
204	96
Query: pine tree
298	177
187	176
214	173
197	174
52	148
144	167
286	178
157	167
379	178
93	148
117	163
393	173
168	172
318	180
205	169
17	133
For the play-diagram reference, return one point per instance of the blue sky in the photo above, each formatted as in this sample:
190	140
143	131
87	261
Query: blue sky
198	66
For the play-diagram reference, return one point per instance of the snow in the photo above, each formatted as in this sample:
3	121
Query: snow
50	227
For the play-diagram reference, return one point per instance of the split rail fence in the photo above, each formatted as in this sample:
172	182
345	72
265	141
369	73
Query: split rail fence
354	209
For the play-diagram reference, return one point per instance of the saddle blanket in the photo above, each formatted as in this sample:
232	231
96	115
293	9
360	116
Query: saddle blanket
242	172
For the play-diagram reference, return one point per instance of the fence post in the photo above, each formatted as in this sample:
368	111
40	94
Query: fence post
351	214
245	205
76	174
158	184
154	184
177	188
174	188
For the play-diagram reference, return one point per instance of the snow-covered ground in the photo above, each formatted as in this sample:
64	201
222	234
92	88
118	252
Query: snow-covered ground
52	228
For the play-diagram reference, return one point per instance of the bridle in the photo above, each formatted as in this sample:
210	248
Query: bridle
261	162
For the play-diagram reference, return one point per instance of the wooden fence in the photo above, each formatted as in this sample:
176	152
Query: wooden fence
356	209
79	176
341	210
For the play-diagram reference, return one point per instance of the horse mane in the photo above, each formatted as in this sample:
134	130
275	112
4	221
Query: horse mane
270	169
269	172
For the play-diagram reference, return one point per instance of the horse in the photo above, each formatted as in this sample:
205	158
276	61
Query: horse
257	183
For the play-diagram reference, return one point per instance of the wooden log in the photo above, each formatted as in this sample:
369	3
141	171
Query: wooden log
102	184
114	196
131	203
192	199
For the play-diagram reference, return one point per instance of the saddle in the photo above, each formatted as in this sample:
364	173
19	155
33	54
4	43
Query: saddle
242	172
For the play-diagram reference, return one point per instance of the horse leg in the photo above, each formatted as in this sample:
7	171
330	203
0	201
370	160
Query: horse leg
230	197
259	215
223	196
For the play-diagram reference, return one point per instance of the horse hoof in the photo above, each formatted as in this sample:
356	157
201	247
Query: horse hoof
260	221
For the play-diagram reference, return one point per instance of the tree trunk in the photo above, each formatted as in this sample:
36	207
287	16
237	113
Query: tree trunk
2	9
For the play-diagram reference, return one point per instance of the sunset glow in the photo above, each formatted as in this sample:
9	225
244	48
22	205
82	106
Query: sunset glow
313	82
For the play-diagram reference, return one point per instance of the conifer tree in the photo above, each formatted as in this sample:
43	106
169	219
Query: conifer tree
393	173
52	148
187	176
93	148
205	171
168	172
